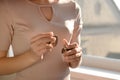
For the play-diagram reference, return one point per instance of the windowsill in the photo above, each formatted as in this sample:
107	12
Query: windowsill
101	63
89	73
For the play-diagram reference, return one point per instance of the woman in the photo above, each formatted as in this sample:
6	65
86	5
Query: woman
45	36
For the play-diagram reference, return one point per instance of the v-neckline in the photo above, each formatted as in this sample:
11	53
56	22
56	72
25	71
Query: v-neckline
40	12
43	15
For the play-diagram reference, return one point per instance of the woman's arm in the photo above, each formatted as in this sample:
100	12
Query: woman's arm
10	65
73	53
39	45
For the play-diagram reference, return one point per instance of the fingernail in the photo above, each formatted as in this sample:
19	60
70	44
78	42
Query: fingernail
51	33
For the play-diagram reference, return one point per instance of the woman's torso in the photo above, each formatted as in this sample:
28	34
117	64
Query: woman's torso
28	21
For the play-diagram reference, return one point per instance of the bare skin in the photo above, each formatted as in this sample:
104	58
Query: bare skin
73	56
39	46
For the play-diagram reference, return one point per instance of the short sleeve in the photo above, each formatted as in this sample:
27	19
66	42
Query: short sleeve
5	27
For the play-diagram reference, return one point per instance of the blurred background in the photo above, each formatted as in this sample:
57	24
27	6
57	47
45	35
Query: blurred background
101	30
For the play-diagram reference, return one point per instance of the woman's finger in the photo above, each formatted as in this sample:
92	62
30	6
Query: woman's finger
73	54
44	48
73	58
44	41
72	46
65	43
41	35
65	46
72	51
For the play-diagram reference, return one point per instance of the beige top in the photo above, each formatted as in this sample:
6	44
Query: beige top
20	20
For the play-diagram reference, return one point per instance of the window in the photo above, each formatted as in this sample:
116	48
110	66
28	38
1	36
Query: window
100	35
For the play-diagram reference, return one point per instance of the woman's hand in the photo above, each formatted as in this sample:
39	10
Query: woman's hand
71	53
43	43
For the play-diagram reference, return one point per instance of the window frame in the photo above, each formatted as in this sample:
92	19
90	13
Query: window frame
85	73
97	68
101	62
